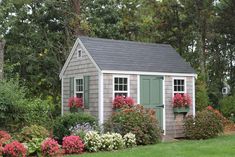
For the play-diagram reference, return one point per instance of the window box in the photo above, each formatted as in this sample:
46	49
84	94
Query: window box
180	110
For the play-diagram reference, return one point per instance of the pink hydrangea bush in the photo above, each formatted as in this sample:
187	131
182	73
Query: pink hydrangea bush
14	149
121	101
72	145
50	147
182	100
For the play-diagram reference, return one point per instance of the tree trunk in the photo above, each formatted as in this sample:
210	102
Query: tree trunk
2	44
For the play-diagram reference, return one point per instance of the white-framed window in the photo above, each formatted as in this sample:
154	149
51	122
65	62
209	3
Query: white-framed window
120	86
79	87
179	85
79	53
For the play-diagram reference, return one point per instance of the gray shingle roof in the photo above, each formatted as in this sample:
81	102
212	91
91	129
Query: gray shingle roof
135	56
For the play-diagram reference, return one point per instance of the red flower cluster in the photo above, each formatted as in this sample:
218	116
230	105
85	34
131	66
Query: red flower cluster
181	100
75	102
4	137
50	147
121	101
14	149
72	144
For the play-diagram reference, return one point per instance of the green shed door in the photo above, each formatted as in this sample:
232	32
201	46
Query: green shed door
151	95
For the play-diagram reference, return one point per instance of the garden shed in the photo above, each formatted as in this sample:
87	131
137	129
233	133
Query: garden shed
100	69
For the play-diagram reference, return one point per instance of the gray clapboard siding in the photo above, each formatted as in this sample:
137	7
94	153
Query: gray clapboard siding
174	125
82	67
108	92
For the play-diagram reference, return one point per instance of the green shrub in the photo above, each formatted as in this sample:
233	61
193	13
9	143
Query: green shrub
64	125
202	99
39	112
227	106
32	136
139	121
205	125
33	131
12	105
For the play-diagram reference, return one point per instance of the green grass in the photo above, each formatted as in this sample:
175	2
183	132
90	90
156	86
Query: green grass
223	146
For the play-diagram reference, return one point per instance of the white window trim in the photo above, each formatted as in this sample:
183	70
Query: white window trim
185	85
128	84
75	91
77	50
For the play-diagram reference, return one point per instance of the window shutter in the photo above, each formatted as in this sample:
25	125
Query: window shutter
71	86
86	91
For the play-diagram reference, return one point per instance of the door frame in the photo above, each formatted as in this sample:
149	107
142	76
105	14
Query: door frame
163	99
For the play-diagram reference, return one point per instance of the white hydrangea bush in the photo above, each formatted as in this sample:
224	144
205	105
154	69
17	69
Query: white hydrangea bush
92	141
118	142
107	142
129	140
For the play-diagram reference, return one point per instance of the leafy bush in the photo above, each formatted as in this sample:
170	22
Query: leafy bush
205	125
227	106
39	112
12	105
50	147
16	111
63	125
32	136
72	145
92	141
202	99
14	149
139	121
33	131
129	140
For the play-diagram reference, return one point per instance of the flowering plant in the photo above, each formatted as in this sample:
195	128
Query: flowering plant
50	147
75	102
4	137
107	142
14	149
92	141
181	100
118	142
72	144
130	140
121	101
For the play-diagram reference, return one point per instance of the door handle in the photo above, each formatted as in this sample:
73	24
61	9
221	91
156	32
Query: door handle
160	106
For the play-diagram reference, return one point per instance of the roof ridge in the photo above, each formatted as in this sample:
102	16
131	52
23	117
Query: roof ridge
124	41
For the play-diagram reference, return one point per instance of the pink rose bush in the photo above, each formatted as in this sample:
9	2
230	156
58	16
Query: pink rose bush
181	100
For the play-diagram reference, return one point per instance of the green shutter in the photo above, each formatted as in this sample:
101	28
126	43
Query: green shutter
86	91
71	86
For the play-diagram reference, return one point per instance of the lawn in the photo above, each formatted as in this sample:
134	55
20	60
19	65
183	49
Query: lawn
223	146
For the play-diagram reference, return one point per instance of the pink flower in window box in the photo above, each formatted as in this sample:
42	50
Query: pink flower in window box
181	100
121	101
75	103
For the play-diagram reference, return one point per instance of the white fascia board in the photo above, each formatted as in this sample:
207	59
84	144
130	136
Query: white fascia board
147	73
78	42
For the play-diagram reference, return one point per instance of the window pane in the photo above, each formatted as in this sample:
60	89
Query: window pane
116	87
125	80
116	80
125	87
120	88
120	80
